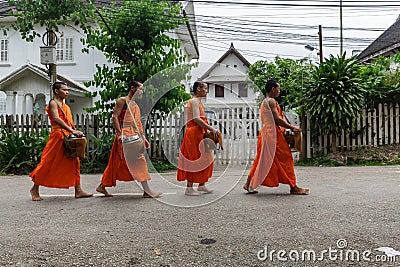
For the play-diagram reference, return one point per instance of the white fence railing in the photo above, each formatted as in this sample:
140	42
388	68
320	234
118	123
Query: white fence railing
239	126
374	127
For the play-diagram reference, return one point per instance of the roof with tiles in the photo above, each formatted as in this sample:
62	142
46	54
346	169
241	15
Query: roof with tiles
388	43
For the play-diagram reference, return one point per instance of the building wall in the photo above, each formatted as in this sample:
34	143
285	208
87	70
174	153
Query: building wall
230	73
80	69
230	66
21	101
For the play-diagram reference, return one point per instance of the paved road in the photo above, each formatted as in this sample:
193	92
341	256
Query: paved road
351	211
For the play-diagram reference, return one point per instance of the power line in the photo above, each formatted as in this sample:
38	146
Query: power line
320	4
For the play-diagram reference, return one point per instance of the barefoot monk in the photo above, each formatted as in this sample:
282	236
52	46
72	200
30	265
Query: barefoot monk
55	170
126	118
195	164
273	163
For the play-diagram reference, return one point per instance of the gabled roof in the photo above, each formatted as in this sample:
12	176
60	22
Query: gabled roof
387	44
73	85
231	50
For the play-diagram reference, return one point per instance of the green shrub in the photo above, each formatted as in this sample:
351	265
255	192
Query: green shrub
161	166
97	159
20	153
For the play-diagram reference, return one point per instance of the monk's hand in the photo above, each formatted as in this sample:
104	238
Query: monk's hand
77	133
296	129
120	137
216	133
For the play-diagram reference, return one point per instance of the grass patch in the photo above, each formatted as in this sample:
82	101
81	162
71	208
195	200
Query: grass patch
318	161
373	156
161	166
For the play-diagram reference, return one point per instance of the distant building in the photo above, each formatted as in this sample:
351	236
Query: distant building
227	81
24	82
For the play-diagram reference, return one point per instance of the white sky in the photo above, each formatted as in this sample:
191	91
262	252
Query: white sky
220	24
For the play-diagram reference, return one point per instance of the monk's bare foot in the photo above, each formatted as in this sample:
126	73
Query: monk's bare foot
299	191
151	194
35	195
204	189
249	189
102	189
82	194
190	192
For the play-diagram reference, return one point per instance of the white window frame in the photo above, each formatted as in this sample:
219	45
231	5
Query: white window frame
220	87
3	102
4	50
243	86
64	48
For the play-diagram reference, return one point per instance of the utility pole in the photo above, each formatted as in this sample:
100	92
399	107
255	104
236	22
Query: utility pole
321	58
341	29
53	66
48	56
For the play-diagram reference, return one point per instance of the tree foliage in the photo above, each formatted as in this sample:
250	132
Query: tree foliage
48	13
336	96
382	80
334	92
134	36
292	75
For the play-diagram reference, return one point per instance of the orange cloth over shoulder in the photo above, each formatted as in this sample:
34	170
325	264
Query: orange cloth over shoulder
273	163
194	164
54	169
118	169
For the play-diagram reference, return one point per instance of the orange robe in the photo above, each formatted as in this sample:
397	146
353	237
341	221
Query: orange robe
273	163
194	164
118	168
54	169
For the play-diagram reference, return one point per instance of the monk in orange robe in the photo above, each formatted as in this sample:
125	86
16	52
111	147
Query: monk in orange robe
195	164
273	163
54	169
119	168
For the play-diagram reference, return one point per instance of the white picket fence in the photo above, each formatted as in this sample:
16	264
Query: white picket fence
375	127
239	126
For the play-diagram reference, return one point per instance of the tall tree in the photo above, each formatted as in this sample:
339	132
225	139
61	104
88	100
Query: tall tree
136	37
50	14
292	75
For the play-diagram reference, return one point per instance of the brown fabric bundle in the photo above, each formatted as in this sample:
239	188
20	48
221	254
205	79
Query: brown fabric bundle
294	140
211	141
74	146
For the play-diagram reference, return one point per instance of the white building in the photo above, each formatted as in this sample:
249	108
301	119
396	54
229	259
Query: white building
24	82
227	81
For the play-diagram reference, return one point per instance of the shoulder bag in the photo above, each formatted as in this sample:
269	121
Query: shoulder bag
74	146
133	145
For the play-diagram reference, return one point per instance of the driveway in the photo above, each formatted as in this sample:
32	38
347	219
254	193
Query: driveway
350	213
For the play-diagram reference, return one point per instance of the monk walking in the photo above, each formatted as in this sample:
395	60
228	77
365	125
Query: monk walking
273	163
195	164
124	124
55	170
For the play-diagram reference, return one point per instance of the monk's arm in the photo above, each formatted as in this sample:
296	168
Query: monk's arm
198	120
53	109
278	120
138	121
117	111
140	126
